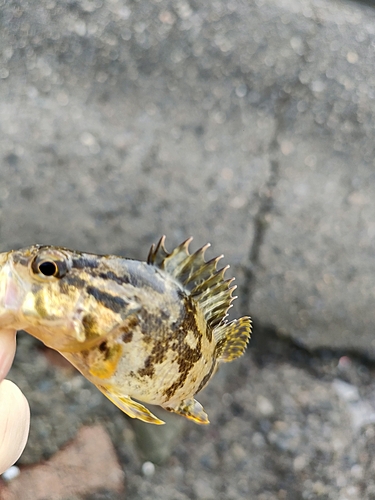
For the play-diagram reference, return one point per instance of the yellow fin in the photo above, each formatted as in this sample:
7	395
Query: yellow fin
192	410
232	338
105	366
130	407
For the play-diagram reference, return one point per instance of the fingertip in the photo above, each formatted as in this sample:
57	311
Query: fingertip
14	423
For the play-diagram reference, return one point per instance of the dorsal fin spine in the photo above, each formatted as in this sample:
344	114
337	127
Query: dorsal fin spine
202	280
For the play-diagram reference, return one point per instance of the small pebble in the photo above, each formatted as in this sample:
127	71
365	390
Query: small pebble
148	469
11	473
347	392
264	406
258	440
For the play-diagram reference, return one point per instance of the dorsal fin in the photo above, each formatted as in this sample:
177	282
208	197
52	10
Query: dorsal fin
208	287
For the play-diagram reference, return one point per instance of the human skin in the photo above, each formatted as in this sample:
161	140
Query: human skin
14	408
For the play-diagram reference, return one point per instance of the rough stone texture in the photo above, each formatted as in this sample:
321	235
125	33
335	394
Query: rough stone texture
249	124
284	425
279	432
114	132
86	465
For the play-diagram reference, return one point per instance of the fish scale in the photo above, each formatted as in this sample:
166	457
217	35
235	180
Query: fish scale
142	332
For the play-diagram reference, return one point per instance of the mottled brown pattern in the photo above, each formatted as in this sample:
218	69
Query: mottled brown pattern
191	315
150	322
167	337
135	329
129	324
158	353
149	369
151	325
187	356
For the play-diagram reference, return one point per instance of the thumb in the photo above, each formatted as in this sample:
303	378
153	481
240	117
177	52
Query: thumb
14	423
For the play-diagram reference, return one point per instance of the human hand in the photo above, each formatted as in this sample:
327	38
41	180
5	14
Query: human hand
14	408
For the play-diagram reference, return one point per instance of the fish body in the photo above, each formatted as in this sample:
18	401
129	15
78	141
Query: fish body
154	331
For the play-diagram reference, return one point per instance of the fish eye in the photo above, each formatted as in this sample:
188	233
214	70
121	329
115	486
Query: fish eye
47	266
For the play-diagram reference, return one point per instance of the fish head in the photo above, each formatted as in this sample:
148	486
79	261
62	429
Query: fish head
42	293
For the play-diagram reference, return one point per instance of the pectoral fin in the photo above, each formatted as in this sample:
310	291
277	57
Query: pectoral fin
130	407
192	410
232	338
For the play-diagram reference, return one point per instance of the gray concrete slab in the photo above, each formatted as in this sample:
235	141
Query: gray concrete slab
110	140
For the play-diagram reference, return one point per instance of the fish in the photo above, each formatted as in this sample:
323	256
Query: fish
150	332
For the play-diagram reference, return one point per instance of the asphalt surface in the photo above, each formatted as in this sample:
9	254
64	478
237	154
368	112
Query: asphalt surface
248	124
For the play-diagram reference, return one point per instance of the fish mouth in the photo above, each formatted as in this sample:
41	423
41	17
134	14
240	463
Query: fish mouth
11	294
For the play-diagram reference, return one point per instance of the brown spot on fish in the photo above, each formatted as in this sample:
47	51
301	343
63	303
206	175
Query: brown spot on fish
127	329
90	326
103	347
148	369
104	360
127	337
158	353
191	313
187	356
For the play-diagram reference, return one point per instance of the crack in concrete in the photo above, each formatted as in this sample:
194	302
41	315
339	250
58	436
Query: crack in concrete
261	219
269	344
